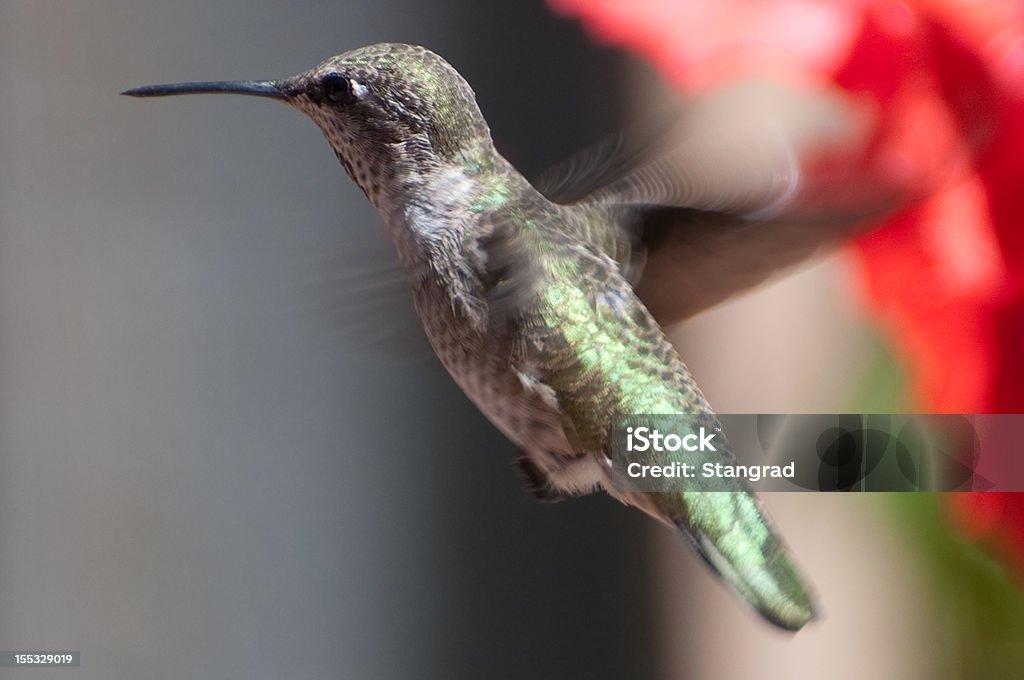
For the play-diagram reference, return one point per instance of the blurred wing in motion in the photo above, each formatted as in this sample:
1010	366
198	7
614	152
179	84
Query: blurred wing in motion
743	182
360	295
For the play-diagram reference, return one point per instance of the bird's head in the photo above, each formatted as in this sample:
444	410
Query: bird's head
390	111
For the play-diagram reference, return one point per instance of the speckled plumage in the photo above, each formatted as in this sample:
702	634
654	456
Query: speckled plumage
527	303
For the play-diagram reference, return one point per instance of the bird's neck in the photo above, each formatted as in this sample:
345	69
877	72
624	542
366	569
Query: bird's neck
442	209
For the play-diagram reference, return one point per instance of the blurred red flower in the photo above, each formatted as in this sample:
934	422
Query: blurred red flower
996	520
945	80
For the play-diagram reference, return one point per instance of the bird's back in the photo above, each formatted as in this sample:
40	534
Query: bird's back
589	339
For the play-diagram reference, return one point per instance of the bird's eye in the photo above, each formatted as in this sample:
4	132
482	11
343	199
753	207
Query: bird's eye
338	89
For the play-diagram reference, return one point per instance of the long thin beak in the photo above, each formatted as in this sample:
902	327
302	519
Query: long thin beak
255	88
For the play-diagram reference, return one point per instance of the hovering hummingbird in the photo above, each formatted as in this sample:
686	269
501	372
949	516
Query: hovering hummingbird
535	303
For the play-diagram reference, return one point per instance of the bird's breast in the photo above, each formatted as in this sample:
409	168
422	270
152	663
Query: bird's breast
481	364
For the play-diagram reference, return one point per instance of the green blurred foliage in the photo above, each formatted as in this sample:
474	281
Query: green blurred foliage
977	604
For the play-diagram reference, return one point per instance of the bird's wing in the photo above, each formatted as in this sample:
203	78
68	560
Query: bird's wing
740	184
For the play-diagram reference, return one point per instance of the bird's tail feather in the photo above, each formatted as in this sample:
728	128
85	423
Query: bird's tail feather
731	532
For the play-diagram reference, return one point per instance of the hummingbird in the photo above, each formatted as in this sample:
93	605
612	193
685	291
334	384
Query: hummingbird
547	307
